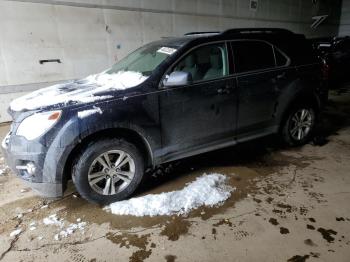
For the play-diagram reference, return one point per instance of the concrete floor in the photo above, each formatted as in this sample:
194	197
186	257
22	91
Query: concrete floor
290	205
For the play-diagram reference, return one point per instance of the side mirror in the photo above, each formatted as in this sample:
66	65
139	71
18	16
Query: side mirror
178	78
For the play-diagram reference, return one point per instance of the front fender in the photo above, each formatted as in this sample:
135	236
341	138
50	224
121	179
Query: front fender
143	122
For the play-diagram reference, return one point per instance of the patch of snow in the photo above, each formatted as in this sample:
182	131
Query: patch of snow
4	169
40	237
53	220
44	206
32	223
207	190
32	228
80	91
72	228
15	232
19	215
64	232
118	81
86	113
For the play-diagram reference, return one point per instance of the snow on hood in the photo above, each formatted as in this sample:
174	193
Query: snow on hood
207	190
80	91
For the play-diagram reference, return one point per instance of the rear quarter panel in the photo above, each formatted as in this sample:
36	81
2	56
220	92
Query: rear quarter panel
305	87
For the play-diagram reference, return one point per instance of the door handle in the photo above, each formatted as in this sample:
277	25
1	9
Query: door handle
220	91
224	90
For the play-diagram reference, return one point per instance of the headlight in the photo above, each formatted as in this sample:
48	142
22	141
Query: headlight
38	124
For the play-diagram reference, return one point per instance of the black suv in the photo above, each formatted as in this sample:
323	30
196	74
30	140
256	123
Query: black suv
168	100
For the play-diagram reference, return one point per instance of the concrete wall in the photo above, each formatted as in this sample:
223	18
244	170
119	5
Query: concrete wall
89	36
344	28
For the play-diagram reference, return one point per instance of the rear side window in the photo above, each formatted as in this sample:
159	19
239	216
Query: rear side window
252	55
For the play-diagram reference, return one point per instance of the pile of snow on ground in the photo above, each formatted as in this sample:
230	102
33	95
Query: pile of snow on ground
207	190
80	91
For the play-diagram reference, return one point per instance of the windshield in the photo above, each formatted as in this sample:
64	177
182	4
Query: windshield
144	60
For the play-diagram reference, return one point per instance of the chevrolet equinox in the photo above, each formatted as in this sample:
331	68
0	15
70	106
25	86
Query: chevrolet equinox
170	99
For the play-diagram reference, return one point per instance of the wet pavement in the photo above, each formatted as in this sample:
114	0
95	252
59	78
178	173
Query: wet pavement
289	205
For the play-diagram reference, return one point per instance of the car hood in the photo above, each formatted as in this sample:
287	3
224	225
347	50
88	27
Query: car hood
90	89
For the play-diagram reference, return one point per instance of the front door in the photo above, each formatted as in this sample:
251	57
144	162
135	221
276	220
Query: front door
202	114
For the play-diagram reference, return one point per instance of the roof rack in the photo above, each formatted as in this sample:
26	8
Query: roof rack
244	31
203	33
257	31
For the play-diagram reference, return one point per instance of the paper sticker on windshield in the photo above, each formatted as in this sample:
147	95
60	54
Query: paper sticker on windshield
166	50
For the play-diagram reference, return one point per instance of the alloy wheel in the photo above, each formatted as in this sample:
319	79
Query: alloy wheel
301	124
111	172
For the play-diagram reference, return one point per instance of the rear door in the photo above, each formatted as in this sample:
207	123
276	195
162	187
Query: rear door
259	83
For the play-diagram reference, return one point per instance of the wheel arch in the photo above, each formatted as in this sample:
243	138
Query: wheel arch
130	135
300	98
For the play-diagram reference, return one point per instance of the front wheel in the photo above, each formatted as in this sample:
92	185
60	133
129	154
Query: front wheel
108	170
299	125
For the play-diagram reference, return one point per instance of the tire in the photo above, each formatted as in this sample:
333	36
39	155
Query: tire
100	179
290	131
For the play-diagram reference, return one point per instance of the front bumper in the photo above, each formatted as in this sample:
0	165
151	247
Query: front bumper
18	152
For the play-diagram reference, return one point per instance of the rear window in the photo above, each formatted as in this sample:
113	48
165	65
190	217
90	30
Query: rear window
252	55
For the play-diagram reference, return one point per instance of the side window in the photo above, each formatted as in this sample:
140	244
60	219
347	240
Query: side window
205	63
252	55
281	59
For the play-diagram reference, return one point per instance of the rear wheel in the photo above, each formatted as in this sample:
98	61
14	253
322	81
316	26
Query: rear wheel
299	125
108	170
